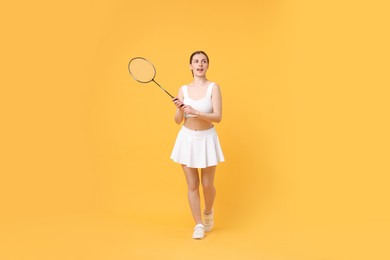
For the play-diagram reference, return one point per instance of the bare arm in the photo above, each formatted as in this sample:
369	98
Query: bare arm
179	114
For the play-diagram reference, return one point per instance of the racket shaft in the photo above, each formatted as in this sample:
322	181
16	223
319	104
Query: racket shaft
163	89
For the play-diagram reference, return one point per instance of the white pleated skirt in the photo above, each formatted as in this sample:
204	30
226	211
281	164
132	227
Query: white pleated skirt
197	149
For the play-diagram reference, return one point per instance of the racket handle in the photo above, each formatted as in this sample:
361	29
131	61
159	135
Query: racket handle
175	99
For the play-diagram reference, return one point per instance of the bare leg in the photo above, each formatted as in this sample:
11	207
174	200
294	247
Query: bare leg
192	178
209	192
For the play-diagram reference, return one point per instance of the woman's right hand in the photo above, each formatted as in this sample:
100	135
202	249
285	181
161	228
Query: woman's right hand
178	103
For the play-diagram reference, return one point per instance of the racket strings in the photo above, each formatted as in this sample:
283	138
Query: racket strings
142	70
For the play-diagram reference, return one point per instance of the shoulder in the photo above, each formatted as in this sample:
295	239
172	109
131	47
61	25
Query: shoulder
215	87
181	90
215	91
183	87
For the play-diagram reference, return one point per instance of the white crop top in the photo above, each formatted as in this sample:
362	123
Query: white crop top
203	105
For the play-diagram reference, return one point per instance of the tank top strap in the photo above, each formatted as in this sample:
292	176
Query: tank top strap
210	89
185	91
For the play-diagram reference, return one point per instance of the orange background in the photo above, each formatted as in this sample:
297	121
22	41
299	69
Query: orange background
85	168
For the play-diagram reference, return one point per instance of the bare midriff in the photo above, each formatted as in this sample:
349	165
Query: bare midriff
197	124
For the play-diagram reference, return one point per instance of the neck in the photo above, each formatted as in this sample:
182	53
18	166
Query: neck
199	81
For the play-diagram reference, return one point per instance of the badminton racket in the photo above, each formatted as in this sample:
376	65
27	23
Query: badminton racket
144	71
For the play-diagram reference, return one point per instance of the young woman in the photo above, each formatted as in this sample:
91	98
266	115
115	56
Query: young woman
197	146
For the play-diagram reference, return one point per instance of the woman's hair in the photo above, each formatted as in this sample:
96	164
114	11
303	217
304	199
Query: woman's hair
199	52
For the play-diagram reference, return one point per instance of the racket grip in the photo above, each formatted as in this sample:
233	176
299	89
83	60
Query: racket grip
177	99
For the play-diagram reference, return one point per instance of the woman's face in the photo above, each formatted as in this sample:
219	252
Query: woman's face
199	65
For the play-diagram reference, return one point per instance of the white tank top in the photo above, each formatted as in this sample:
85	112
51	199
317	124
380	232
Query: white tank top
203	105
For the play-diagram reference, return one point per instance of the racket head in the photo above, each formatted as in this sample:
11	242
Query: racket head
142	70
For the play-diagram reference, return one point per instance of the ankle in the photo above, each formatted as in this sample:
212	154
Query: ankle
208	212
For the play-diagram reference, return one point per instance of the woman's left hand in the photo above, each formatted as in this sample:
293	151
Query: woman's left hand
189	110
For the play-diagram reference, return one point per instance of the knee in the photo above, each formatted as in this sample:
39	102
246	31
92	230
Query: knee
193	186
208	186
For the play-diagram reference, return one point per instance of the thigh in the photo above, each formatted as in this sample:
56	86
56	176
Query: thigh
192	177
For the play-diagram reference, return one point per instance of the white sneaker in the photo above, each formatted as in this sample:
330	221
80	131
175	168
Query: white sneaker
198	232
208	221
